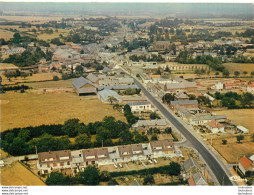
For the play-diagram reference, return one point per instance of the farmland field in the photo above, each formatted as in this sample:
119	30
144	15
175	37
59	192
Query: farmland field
6	35
232	67
27	109
244	117
232	149
18	175
34	77
4	66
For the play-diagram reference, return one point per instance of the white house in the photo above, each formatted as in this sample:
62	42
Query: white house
202	120
250	88
140	106
245	165
218	86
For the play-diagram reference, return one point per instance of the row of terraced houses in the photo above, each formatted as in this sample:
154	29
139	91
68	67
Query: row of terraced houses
79	159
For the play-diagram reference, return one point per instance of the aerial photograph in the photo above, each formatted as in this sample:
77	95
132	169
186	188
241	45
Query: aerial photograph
126	94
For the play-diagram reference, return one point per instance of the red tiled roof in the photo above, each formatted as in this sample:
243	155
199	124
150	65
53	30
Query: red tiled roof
251	85
214	124
245	162
228	84
191	181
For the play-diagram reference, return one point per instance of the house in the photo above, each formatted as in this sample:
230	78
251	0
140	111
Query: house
228	85
140	106
162	45
185	103
79	159
48	161
147	124
118	87
109	96
191	166
84	87
180	96
197	179
242	129
215	127
130	99
218	86
162	148
250	87
245	165
94	79
203	119
188	86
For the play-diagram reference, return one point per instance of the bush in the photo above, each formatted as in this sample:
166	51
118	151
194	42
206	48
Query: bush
224	142
55	78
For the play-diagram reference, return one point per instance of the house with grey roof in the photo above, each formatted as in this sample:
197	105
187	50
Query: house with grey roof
204	119
83	86
197	179
190	104
140	106
147	124
187	86
109	96
191	166
118	87
93	78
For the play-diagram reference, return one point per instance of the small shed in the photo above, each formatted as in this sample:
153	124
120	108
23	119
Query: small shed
242	129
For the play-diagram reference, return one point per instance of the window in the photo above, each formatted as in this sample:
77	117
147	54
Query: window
61	163
68	163
48	165
54	164
79	155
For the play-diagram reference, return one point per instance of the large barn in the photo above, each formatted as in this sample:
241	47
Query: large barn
84	87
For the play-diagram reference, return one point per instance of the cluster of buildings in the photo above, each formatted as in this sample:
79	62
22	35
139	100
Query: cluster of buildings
79	159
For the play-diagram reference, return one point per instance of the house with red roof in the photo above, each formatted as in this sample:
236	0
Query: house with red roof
245	165
228	85
215	127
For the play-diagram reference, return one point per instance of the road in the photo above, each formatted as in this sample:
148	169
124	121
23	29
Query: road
214	165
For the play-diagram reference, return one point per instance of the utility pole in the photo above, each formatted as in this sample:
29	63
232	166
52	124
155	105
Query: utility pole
35	149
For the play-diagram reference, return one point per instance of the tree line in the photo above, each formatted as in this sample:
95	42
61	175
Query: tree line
22	141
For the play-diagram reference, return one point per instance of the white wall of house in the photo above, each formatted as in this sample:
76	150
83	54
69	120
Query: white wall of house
138	108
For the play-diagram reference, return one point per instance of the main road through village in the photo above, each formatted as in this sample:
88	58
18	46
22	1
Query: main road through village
217	169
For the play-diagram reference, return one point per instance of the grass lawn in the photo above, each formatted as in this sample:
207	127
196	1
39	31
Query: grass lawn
232	67
18	175
22	110
242	117
47	37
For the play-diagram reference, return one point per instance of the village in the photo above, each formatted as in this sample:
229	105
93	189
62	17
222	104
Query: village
85	85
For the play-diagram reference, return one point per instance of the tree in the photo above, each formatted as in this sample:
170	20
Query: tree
252	73
174	168
225	73
245	73
168	97
72	127
79	69
55	78
247	99
154	137
236	73
112	99
149	180
82	141
239	138
224	142
90	176
57	179
154	115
